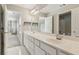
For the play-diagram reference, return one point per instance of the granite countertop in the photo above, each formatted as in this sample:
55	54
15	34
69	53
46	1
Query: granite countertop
66	45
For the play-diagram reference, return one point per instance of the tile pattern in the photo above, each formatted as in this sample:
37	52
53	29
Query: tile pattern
13	46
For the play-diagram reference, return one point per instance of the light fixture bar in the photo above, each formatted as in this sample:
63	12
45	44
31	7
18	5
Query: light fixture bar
33	11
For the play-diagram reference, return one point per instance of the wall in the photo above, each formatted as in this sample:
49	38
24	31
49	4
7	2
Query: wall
56	24
75	21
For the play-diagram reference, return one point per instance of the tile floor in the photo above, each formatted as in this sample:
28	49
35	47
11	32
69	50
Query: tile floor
13	46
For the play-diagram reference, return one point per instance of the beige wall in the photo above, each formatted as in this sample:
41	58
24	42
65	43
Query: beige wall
56	24
75	21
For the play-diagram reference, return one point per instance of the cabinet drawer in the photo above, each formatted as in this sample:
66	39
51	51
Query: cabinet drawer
30	44
24	51
31	47
31	50
26	42
37	42
30	38
50	50
25	36
38	51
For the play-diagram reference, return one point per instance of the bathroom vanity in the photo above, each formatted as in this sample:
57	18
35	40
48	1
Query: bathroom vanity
38	43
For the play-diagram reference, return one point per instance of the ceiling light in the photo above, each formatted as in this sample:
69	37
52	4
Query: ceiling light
33	11
36	12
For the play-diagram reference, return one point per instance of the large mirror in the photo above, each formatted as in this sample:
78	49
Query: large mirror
65	23
62	21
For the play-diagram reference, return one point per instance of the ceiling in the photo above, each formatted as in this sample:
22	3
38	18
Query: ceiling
50	8
44	8
31	6
27	6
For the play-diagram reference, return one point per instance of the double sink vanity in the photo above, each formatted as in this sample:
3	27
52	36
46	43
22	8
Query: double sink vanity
38	43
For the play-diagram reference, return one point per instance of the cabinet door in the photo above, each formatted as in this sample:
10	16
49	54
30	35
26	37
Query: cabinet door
37	42
26	41
30	38
31	47
50	50
39	51
24	51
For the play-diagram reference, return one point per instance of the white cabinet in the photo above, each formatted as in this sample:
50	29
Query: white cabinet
50	50
39	51
37	47
29	44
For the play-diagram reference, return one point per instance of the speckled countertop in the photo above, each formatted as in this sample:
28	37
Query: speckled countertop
67	45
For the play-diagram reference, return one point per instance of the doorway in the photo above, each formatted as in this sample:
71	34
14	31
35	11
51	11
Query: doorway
1	31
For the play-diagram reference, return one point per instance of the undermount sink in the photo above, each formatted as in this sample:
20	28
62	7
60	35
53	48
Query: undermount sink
59	37
32	32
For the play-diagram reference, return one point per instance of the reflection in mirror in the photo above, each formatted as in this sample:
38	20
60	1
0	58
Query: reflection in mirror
46	24
13	22
65	23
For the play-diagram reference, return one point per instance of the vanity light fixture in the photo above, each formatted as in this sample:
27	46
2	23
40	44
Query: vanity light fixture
34	11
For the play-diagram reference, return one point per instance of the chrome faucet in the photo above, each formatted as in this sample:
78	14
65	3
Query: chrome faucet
59	37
